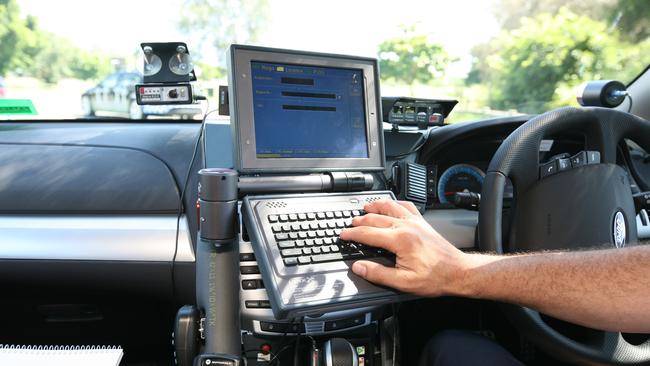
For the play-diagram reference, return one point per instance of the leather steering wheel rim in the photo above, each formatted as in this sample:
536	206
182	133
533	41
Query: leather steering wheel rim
518	159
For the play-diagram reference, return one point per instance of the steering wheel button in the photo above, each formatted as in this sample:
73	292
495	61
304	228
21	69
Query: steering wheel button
593	157
547	169
563	164
579	159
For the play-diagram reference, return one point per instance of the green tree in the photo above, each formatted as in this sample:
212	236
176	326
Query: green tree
11	27
552	52
50	58
412	58
29	51
90	65
631	18
510	13
219	23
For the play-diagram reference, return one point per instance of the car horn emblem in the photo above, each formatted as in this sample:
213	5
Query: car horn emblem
618	229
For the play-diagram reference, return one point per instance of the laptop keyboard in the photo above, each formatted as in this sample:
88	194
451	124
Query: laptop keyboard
313	237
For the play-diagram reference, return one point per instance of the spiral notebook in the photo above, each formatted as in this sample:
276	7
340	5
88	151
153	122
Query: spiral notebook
12	355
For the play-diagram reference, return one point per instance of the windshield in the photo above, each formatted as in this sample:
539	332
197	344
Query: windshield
81	59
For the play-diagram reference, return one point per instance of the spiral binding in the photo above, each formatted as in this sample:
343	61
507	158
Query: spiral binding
17	349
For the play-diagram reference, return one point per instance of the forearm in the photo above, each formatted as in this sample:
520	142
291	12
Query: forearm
604	289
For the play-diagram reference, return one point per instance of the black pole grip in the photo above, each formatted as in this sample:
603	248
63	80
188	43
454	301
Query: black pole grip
217	261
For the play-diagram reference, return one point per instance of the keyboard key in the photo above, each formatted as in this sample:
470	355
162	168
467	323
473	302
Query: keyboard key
249	270
340	224
286	244
315	250
329	215
326	257
322	225
292	261
337	232
331	225
304	226
313	225
302	235
302	217
320	233
286	228
246	257
311	216
276	228
334	248
300	243
338	214
273	218
347	214
295	227
356	213
284	218
329	232
320	215
325	249
250	284
319	241
291	252
293	236
304	260
309	242
281	236
311	234
306	251
293	217
252	304
328	241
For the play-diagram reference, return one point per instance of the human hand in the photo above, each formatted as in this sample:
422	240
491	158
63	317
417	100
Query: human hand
426	263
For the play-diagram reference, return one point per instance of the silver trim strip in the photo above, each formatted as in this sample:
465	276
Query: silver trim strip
328	353
149	238
455	225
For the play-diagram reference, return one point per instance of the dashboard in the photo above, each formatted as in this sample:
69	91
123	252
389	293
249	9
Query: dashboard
460	161
105	223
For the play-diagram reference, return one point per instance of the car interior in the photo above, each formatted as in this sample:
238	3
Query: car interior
216	240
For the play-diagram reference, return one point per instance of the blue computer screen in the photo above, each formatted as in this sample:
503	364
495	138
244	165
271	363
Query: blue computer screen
304	111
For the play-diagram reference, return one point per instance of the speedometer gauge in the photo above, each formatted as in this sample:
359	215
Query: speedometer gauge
459	178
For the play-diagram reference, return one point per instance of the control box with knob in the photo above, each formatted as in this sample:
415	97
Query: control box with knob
164	94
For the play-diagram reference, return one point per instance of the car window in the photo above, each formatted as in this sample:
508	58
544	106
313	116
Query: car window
110	82
497	58
129	80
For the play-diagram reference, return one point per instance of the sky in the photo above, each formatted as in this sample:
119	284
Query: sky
354	27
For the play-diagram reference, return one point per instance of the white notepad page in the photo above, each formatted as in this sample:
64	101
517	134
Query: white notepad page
12	355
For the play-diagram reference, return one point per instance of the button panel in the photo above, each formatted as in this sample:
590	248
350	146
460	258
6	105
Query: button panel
562	163
345	323
274	327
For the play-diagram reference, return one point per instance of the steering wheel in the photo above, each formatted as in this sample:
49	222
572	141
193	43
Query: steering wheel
560	207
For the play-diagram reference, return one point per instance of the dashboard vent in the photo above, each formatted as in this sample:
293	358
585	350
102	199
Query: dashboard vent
416	182
314	327
276	204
